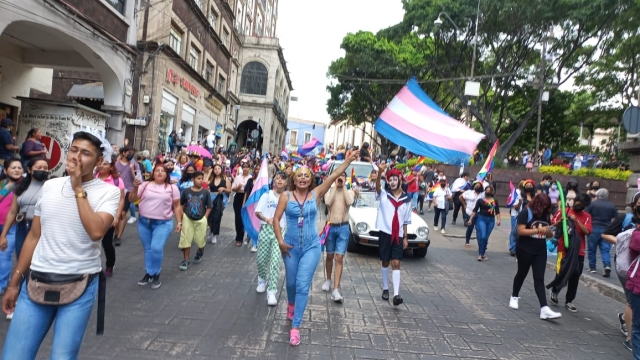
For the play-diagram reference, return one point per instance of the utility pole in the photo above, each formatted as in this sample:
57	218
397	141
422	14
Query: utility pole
473	63
540	92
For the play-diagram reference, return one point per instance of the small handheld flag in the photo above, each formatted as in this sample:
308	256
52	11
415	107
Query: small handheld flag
284	154
513	195
488	164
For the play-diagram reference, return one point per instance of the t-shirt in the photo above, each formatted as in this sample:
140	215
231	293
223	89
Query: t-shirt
64	246
29	198
5	139
440	196
5	206
195	203
471	197
582	217
387	210
487	207
458	185
532	244
156	200
412	184
364	153
602	212
267	207
148	167
542	188
126	175
615	227
211	141
512	210
30	146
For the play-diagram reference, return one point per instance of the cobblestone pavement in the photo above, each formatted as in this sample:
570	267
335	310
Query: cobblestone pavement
454	307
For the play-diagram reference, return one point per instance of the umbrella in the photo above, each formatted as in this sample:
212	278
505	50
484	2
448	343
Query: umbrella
199	150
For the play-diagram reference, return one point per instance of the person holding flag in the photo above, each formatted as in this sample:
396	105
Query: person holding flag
514	203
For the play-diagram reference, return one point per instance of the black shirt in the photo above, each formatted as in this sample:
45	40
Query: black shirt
364	153
615	227
534	244
542	188
602	212
485	209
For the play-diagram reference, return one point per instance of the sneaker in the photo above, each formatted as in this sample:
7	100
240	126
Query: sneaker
131	220
554	298
245	242
209	236
214	239
607	271
385	294
272	300
397	300
108	272
198	257
156	282
513	302
294	337
117	241
592	270
627	344
326	286
184	265
570	307
254	249
145	280
262	286
336	296
421	212
512	253
435	227
442	231
9	316
546	313
623	324
290	309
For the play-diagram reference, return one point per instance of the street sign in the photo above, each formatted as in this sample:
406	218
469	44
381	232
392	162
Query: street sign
631	119
255	134
54	152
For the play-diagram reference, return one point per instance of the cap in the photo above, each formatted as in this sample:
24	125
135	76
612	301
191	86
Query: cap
7	121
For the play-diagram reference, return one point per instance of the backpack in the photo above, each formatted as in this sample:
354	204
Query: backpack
529	218
623	257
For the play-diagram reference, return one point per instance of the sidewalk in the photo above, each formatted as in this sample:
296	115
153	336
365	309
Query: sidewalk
454	308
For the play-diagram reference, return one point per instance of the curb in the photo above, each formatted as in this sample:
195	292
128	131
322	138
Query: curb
611	291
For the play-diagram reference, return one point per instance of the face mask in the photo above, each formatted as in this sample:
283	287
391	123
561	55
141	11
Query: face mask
488	194
528	189
478	190
554	187
40	175
188	176
578	207
130	157
595	187
442	185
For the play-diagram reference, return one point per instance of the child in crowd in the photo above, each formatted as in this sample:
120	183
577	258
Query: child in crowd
196	205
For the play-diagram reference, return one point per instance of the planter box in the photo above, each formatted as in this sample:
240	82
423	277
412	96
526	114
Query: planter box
501	177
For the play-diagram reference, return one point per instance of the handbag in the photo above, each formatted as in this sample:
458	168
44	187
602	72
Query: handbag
56	289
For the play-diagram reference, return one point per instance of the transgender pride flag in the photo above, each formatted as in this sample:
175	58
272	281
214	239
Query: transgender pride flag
415	122
260	186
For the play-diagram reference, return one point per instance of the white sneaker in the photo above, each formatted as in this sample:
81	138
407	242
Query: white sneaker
546	313
131	220
272	300
254	249
9	316
442	231
435	228
513	303
262	286
336	296
246	242
214	239
327	285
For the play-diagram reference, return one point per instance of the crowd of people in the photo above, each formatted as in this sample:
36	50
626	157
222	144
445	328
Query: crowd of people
58	227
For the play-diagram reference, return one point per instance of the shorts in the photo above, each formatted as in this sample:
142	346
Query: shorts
127	203
627	293
338	239
193	231
387	250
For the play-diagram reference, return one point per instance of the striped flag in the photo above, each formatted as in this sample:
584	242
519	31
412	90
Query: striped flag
284	154
488	164
295	156
513	195
412	119
260	186
309	147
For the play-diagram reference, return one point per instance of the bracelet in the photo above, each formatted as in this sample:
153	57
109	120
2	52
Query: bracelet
19	272
179	222
13	287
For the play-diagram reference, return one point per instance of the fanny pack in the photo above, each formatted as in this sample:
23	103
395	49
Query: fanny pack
60	289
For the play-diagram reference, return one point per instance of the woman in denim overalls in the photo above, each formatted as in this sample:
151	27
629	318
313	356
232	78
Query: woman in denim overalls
301	245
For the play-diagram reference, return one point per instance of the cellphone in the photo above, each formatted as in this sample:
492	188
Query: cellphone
137	175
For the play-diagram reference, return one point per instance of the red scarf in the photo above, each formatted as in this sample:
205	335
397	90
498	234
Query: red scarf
395	224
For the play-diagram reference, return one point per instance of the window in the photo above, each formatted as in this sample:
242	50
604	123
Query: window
225	38
194	57
175	40
259	27
118	5
209	72
254	79
307	137
213	19
199	3
221	84
293	137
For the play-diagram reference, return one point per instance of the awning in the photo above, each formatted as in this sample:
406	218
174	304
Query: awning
91	91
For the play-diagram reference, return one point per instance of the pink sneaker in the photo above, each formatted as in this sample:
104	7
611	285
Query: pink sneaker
294	337
290	309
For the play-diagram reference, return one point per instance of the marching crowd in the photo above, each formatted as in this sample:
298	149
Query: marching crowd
58	227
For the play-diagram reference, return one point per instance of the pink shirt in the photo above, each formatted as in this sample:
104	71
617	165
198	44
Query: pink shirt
156	200
5	206
109	180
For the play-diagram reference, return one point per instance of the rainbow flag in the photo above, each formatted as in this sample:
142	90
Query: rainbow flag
295	156
353	176
488	164
415	121
322	156
310	146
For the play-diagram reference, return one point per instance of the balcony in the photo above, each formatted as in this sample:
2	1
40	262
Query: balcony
278	110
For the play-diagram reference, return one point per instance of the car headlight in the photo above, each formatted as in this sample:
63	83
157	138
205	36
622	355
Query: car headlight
422	232
362	227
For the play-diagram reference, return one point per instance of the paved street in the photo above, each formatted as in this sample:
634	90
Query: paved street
455	307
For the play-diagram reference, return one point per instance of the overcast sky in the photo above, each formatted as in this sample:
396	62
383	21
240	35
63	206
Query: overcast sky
311	33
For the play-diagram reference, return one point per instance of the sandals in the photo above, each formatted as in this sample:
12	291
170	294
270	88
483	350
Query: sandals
294	337
467	245
290	309
238	243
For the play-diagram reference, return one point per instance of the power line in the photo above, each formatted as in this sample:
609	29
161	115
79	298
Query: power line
403	81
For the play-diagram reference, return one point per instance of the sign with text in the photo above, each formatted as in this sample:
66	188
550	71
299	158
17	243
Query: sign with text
174	78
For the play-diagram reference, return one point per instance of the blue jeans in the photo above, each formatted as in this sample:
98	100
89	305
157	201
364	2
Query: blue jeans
338	239
439	214
153	235
299	268
414	198
31	323
514	233
595	241
635	329
484	226
6	257
470	229
132	210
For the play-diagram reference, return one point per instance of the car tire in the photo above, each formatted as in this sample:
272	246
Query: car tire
420	253
353	246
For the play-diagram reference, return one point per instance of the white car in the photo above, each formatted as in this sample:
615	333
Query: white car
362	218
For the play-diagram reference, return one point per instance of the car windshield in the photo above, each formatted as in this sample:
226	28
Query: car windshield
362	170
366	199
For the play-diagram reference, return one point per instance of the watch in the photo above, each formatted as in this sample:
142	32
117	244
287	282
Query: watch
81	195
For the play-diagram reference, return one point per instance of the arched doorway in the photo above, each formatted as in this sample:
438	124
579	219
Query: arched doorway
245	131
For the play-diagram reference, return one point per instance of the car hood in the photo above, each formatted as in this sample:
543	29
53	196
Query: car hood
369	215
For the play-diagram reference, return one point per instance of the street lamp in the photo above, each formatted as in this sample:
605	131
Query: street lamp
541	83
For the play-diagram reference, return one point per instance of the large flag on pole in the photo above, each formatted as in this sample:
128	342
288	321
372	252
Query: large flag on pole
260	186
488	164
309	147
413	120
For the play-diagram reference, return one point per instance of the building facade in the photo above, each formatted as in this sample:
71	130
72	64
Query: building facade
302	131
343	133
46	43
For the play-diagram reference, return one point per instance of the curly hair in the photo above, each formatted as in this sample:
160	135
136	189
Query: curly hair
292	181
